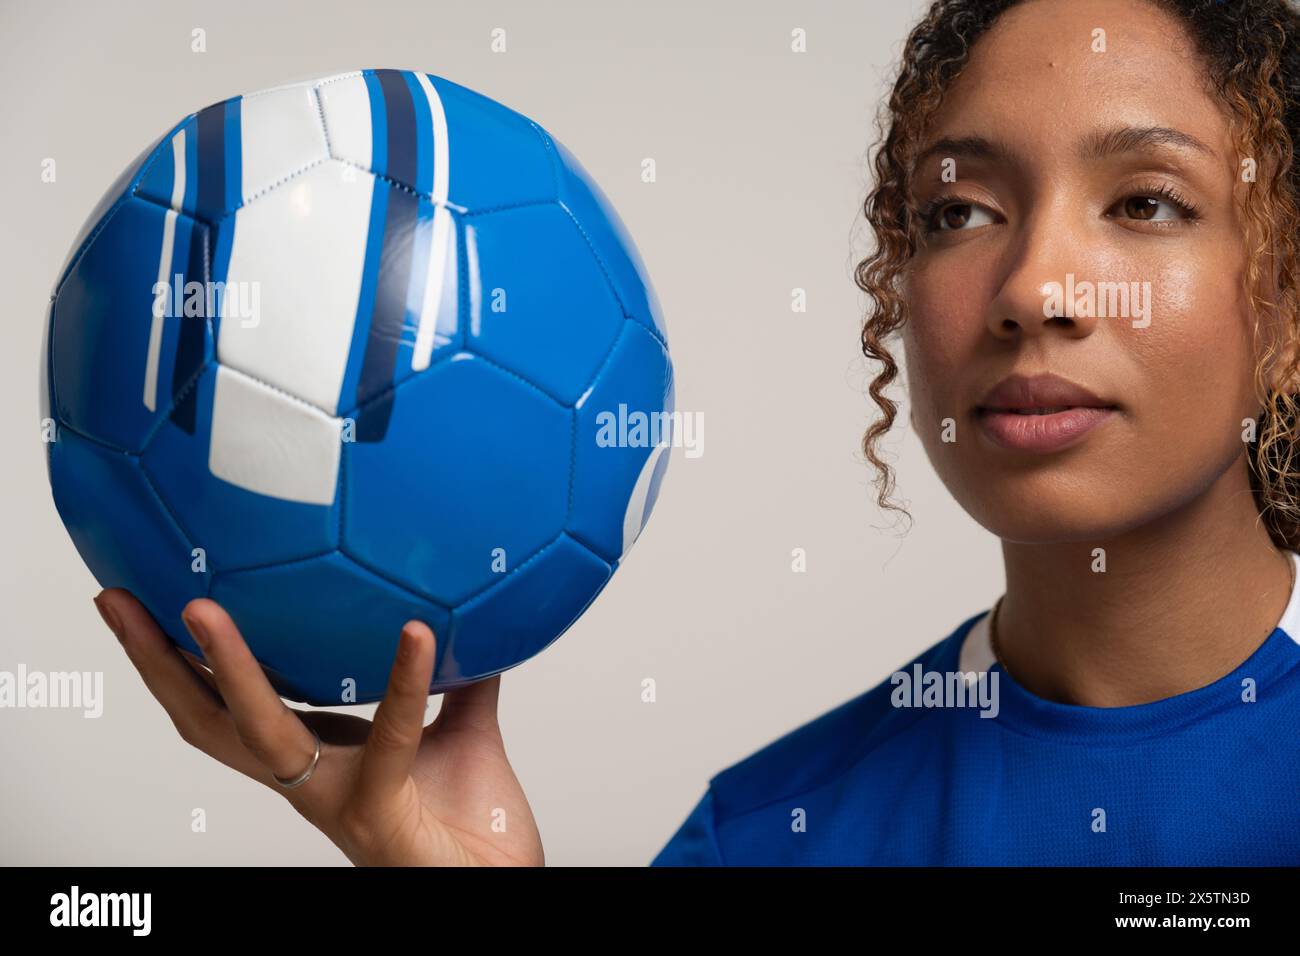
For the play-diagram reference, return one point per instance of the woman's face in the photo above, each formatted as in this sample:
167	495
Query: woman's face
1084	169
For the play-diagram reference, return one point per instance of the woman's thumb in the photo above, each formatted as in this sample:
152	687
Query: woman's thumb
472	706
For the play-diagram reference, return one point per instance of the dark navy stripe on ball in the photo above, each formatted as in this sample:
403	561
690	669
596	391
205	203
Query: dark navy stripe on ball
399	110
212	161
210	155
388	316
189	342
223	235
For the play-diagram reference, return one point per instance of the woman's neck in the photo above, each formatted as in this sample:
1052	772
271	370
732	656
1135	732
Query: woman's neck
1182	601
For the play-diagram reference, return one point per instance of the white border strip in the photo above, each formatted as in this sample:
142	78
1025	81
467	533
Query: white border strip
441	230
475	290
164	268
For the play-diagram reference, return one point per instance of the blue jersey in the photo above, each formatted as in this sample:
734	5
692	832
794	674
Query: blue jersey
912	774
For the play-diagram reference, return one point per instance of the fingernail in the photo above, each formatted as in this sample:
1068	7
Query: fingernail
197	632
109	615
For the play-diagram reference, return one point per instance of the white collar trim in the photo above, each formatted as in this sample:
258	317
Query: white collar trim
1290	621
976	650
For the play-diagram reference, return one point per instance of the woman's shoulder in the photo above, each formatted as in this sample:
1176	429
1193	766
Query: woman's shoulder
828	745
807	758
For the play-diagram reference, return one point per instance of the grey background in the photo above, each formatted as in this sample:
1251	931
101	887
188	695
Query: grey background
761	173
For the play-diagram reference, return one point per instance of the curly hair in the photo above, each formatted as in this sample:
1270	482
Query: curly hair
1251	53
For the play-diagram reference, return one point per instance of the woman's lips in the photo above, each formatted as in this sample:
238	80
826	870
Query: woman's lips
1040	432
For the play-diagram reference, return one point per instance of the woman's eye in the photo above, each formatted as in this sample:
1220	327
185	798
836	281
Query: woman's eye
1148	209
955	216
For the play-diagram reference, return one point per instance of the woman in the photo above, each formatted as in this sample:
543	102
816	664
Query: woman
1085	214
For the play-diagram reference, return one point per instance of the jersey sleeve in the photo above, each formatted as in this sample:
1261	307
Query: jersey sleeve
696	841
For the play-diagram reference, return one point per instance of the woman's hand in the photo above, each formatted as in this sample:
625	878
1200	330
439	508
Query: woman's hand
387	792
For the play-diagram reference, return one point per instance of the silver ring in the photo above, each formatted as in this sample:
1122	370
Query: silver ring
303	777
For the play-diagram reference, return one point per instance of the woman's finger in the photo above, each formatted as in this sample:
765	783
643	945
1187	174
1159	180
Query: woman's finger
195	708
270	730
200	669
472	706
399	720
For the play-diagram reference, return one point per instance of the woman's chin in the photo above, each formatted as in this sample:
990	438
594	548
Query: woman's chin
1054	519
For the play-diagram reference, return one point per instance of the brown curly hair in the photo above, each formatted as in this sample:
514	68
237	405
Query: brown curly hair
1251	51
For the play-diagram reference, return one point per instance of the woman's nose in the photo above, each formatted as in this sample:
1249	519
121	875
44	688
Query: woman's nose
1045	272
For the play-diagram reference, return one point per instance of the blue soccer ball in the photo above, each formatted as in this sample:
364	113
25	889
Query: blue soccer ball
354	351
